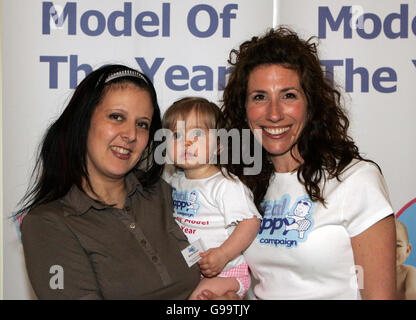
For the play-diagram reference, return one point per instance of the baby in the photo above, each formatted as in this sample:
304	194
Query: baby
406	274
210	204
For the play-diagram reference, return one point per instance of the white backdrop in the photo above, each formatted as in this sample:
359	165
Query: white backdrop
371	48
382	123
183	45
48	47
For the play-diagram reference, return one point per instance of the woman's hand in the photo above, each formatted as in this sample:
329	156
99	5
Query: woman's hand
209	295
213	262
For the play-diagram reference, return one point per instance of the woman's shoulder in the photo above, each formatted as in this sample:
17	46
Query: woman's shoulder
358	168
410	270
42	218
51	210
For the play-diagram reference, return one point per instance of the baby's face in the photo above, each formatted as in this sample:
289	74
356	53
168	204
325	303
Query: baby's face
191	145
402	245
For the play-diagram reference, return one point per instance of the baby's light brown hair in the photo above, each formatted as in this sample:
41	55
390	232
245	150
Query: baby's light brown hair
208	114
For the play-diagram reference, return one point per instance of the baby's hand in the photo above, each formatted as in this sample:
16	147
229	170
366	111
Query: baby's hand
212	262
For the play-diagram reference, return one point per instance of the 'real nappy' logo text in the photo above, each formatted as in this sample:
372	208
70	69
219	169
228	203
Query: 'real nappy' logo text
285	224
186	203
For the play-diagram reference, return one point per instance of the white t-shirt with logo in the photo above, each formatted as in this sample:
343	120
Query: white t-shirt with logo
209	209
303	250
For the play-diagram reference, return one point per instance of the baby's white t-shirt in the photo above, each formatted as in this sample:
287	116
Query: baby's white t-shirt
209	209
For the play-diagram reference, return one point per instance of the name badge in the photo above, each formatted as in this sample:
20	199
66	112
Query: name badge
191	252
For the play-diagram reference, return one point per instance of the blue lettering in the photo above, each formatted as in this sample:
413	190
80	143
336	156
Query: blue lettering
180	205
53	68
213	21
144	21
275	208
283	207
378	78
403	17
126	18
74	68
324	15
277	242
178	195
177	77
176	72
49	11
166	20
267	208
150	72
272	224
226	17
207	78
378	25
141	21
85	27
349	76
414	25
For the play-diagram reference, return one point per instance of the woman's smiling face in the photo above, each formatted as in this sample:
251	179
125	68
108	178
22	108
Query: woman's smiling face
276	106
119	132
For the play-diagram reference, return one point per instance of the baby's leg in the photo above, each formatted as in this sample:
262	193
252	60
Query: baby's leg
218	285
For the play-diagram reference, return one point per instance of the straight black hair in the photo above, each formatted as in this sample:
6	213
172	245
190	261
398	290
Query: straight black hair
61	162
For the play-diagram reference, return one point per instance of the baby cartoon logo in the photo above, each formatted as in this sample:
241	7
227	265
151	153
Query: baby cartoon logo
300	221
284	225
186	203
193	204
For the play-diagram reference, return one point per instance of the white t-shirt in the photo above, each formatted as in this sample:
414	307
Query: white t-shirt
210	208
303	250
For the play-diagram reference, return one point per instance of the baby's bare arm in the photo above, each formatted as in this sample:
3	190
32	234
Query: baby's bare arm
214	260
410	284
242	236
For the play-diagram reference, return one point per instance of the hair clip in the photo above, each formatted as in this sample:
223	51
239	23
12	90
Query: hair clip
125	73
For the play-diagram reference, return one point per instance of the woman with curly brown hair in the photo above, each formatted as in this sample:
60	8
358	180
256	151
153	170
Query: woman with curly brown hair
328	227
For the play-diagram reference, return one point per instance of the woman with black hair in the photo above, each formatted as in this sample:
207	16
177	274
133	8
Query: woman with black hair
99	219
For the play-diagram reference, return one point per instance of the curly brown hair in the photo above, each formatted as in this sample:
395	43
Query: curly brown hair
324	143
